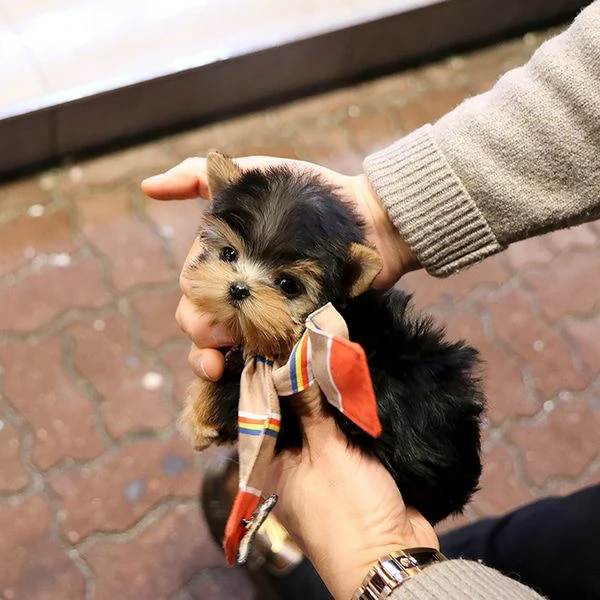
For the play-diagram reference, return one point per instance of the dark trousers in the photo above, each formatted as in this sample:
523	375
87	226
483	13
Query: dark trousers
551	545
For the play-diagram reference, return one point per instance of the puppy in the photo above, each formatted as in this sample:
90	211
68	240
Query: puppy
275	246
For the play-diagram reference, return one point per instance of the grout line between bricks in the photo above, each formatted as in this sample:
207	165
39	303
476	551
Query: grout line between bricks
138	212
69	315
151	515
580	481
26	445
69	549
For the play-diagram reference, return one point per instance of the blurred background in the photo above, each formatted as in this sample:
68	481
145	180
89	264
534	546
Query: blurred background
98	494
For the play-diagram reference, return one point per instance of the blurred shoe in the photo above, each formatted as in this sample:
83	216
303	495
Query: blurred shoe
276	565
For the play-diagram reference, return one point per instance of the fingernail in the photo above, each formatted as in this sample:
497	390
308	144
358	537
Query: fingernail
202	370
154	178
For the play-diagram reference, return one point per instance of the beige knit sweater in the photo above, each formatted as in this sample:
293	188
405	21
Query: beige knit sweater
518	161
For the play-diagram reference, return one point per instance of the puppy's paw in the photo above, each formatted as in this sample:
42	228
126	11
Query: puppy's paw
198	422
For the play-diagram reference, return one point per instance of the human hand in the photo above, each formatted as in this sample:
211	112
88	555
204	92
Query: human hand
189	180
341	507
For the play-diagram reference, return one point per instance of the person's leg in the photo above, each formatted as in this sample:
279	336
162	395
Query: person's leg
276	567
552	545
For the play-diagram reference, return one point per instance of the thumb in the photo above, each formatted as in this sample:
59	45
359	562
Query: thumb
188	179
184	181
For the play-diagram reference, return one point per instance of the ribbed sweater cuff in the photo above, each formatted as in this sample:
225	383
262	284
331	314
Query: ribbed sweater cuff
460	579
429	205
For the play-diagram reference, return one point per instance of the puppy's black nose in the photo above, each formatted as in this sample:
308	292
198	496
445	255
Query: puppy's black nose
238	291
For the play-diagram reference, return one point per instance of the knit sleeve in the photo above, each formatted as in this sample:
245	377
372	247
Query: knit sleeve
462	580
515	162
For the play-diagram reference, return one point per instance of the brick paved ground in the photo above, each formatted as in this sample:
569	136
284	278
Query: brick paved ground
97	491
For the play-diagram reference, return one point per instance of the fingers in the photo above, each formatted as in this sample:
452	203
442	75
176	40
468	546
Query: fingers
188	179
207	363
184	282
204	358
184	181
200	327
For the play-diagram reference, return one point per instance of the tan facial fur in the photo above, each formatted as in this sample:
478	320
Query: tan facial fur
267	322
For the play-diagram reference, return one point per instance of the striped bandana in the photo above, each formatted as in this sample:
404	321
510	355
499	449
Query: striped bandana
325	356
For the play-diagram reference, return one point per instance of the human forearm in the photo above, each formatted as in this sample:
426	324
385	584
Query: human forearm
515	162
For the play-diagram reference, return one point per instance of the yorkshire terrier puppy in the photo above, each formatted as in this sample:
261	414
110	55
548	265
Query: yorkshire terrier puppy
275	246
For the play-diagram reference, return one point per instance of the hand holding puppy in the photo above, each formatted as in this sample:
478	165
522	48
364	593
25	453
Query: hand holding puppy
189	180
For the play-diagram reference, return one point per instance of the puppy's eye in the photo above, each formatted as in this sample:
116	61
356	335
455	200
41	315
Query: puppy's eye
229	254
288	285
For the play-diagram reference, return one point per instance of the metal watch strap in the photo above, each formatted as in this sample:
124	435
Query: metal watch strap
393	570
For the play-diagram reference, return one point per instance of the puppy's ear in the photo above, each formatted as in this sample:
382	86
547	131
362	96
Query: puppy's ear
221	171
362	267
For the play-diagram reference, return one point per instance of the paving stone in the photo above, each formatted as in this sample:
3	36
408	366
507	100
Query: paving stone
40	297
32	565
329	147
564	486
116	493
484	67
156	310
502	379
531	252
324	109
595	227
585	334
26	238
431	291
62	419
444	74
398	88
565	287
369	132
501	490
196	142
18	197
232	584
562	443
157	562
177	224
13	476
132	164
134	251
426	109
581	237
258	127
104	356
176	362
544	353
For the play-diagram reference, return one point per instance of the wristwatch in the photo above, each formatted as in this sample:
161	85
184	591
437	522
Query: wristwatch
392	570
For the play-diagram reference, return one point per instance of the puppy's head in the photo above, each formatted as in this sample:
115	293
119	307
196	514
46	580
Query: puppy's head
275	246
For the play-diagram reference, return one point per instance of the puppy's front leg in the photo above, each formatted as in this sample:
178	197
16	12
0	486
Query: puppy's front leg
210	413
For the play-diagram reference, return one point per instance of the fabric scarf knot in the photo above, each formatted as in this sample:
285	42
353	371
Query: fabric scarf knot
324	355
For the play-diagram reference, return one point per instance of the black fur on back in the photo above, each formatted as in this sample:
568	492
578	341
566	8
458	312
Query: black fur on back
429	400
